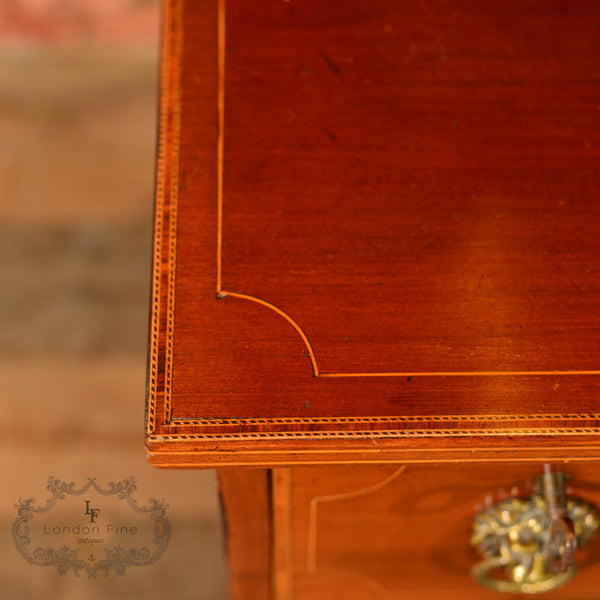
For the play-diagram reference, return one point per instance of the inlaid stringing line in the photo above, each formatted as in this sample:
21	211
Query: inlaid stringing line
221	293
390	419
311	545
172	143
173	196
220	140
166	143
381	434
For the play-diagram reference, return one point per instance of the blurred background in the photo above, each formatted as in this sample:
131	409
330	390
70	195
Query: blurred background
78	87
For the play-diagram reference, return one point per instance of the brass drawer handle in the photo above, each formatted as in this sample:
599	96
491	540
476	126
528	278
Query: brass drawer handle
528	542
485	572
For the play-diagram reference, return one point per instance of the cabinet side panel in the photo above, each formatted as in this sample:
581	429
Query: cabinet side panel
247	516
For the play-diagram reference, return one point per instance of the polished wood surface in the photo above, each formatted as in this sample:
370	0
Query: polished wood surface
402	532
247	505
376	233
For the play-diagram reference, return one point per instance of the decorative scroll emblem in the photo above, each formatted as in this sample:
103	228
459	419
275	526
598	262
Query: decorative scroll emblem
91	528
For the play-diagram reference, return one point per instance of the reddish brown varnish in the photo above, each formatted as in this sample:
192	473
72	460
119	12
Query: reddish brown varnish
377	233
386	532
382	532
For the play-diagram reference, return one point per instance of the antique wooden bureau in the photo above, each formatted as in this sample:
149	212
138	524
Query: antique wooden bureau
376	292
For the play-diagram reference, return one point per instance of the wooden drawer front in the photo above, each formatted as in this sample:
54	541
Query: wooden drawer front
401	532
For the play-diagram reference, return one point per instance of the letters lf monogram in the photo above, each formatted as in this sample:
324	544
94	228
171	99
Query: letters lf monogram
93	512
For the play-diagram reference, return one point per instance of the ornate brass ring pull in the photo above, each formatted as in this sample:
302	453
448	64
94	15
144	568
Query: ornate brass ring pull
528	543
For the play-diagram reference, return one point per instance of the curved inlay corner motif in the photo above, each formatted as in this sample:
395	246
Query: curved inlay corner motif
312	567
309	348
159	411
275	309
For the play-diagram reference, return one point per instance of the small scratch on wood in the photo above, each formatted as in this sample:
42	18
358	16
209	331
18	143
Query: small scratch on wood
429	242
333	66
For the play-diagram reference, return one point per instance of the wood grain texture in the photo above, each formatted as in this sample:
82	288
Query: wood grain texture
247	510
387	532
376	233
281	501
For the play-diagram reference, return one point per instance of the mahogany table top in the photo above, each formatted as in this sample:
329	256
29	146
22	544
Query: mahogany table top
377	232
